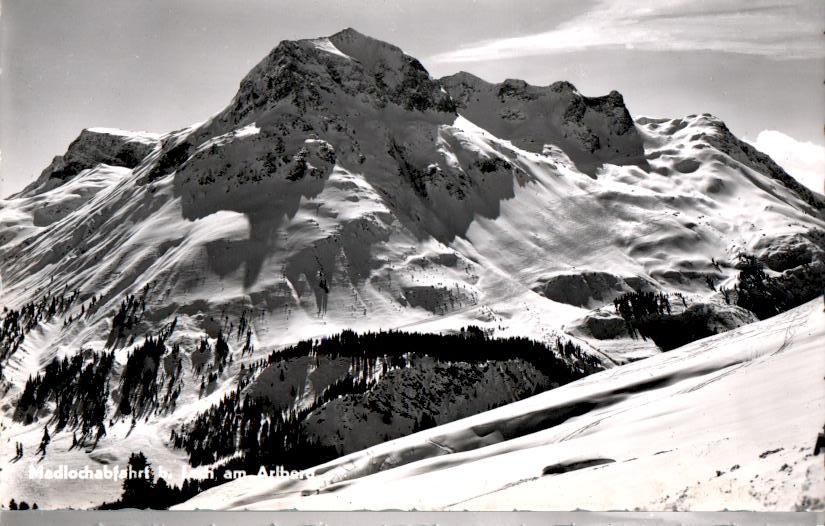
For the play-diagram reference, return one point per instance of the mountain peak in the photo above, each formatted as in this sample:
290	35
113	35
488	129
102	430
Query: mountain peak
353	40
349	32
313	74
95	146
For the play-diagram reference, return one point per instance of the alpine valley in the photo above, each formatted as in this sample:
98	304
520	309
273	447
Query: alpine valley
423	293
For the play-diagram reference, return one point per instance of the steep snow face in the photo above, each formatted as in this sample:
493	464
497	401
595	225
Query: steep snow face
714	133
324	44
591	131
725	422
711	190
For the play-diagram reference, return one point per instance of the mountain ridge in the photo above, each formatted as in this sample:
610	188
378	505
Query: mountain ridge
554	114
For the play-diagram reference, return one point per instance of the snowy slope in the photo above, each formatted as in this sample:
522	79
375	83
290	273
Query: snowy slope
344	188
489	259
724	423
410	212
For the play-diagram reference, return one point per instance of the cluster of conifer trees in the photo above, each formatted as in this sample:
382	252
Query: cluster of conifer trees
127	317
22	506
243	432
638	305
210	370
649	315
255	427
148	493
78	391
471	345
16	323
79	386
139	384
768	296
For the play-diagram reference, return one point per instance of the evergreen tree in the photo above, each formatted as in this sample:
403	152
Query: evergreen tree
137	490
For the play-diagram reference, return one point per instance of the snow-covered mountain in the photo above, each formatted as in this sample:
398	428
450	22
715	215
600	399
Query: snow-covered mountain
344	188
723	423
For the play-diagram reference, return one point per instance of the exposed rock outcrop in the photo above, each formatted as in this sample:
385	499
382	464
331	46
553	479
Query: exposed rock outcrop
591	131
97	146
588	289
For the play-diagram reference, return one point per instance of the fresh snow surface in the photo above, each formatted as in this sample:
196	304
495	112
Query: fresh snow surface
723	423
324	44
142	136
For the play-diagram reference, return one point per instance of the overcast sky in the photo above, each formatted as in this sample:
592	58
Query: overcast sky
161	65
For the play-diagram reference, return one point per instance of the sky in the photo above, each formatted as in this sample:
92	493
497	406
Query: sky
157	66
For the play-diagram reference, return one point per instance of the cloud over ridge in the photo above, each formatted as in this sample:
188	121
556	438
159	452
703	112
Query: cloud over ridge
804	161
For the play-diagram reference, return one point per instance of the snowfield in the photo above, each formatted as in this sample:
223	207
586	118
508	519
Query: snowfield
724	423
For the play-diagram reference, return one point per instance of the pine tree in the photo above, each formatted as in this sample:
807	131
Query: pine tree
137	491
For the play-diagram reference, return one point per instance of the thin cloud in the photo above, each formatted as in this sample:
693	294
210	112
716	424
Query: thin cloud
781	30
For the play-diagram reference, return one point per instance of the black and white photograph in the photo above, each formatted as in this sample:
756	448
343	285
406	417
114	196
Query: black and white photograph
466	256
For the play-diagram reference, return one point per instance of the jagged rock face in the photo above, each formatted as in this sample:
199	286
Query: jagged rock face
347	101
601	325
591	131
312	75
786	252
349	62
586	289
98	146
798	261
399	78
